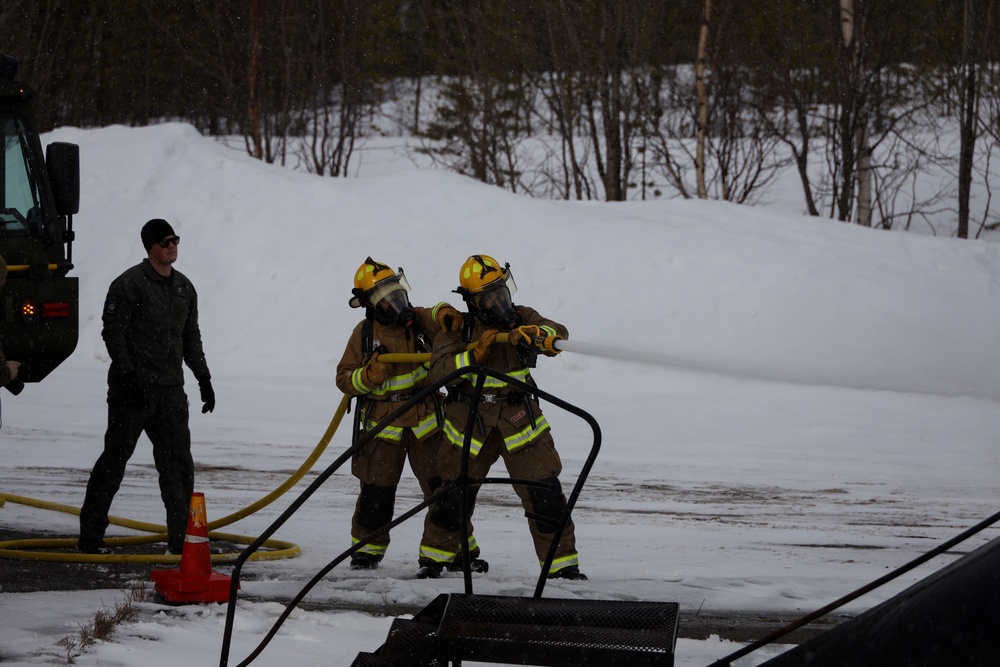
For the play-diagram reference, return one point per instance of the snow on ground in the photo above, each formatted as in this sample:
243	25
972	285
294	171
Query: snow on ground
789	407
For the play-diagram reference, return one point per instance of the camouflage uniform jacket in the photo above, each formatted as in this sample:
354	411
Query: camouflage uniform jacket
4	373
151	327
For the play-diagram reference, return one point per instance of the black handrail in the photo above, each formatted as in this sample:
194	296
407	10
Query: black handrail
853	595
463	482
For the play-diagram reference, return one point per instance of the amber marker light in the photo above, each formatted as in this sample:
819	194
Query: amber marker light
29	311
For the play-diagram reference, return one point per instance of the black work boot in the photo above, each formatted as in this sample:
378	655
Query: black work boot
475	565
93	547
429	569
572	572
364	562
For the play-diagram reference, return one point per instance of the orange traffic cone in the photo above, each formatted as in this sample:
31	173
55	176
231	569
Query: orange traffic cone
195	581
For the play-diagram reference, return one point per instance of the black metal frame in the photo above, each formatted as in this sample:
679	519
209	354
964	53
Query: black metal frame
462	482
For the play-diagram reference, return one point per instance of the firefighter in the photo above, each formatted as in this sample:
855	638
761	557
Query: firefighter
392	325
510	423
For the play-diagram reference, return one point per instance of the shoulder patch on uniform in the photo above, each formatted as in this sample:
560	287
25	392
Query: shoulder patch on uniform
110	307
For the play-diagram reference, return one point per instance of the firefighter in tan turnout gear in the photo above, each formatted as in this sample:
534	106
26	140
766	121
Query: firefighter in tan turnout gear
392	326
510	423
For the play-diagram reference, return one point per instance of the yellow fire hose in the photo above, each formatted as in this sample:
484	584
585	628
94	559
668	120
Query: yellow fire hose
277	549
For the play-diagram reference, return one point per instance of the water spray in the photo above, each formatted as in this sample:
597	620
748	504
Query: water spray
638	356
576	347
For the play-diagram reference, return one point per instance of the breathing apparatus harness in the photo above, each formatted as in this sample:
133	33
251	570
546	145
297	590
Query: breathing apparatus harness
371	347
504	319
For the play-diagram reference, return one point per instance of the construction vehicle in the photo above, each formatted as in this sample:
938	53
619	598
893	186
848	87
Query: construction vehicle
39	194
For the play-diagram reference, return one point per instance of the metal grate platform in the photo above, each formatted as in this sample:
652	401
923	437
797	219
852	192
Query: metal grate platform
409	644
533	631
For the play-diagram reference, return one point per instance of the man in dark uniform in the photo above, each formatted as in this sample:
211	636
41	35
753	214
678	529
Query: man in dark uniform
150	330
510	423
8	369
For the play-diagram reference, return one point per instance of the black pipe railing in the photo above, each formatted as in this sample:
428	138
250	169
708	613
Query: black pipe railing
462	483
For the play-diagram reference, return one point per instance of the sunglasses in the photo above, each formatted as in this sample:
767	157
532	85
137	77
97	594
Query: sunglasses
165	243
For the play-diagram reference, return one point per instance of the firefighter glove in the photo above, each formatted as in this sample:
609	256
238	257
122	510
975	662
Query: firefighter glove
523	335
449	318
482	349
377	373
207	395
135	391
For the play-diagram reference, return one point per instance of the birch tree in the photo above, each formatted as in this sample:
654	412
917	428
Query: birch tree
968	114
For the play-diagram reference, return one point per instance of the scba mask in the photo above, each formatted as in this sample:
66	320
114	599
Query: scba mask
487	287
495	306
390	305
383	293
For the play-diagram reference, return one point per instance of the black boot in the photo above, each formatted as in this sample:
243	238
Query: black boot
572	572
89	546
364	562
475	565
429	569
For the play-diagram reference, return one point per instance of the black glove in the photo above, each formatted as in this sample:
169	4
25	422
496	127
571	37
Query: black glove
135	391
207	395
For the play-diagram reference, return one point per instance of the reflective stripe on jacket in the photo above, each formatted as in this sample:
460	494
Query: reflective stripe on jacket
407	379
520	422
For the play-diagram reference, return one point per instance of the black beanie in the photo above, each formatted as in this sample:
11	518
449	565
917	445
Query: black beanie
155	230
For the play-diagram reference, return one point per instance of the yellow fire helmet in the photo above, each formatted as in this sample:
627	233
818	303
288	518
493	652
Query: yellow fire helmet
481	271
383	293
374	281
370	273
487	288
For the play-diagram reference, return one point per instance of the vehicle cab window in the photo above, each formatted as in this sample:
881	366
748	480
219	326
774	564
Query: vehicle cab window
19	197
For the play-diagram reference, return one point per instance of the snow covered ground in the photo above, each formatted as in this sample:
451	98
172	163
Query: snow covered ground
790	407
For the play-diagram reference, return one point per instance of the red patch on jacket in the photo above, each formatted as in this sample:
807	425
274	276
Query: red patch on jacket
519	416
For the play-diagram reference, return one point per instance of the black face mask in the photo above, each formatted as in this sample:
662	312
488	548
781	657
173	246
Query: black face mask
394	308
495	309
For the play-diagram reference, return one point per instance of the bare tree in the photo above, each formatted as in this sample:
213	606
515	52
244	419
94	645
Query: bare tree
486	93
973	25
598	67
32	30
853	36
736	153
561	87
255	144
988	116
701	86
669	102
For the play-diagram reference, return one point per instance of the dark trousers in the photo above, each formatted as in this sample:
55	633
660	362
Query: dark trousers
379	467
537	461
165	422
